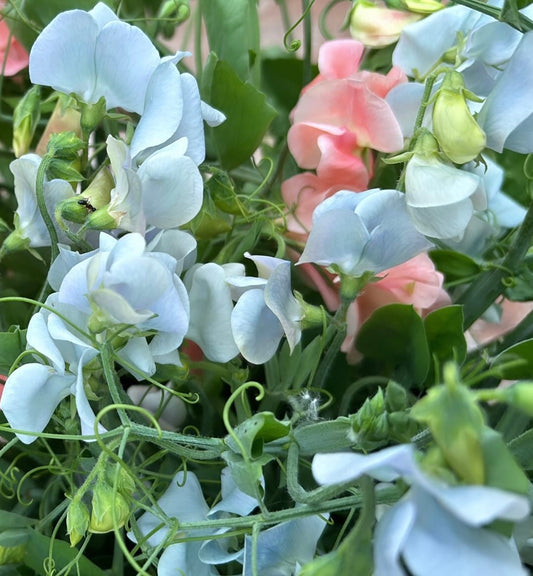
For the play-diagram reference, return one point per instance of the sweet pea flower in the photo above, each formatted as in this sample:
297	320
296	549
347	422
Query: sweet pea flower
13	56
30	229
166	191
93	54
481	45
184	502
415	282
33	391
342	112
506	118
363	232
265	309
435	529
283	549
123	284
211	307
440	198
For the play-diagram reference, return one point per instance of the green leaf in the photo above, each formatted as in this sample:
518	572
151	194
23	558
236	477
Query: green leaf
455	266
324	436
248	114
10	520
445	337
247	475
254	432
501	468
12	344
521	356
233	34
39	546
394	337
522	449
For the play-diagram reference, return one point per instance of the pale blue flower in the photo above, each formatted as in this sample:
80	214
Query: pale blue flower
184	501
435	529
166	191
360	232
28	220
211	308
123	284
440	198
93	54
507	115
483	46
33	391
173	110
266	309
283	549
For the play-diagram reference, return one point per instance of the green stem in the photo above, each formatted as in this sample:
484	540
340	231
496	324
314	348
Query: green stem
307	72
489	285
41	203
524	25
335	335
297	492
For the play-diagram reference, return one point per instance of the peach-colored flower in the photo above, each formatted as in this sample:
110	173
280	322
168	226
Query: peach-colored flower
342	112
483	332
11	51
414	282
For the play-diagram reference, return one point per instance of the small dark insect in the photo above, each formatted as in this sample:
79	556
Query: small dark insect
87	203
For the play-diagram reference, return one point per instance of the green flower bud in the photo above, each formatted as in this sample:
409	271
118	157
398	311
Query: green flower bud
25	119
520	396
65	145
101	219
15	241
95	196
458	134
125	482
92	115
77	521
64	170
105	503
64	118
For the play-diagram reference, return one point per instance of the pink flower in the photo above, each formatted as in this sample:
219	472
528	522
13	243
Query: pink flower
414	282
17	57
342	112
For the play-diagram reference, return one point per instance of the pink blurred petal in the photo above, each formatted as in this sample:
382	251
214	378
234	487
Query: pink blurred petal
17	57
340	58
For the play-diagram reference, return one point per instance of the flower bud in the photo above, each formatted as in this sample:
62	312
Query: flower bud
458	134
92	115
77	521
25	119
65	145
101	219
520	396
64	118
95	196
376	25
105	504
15	241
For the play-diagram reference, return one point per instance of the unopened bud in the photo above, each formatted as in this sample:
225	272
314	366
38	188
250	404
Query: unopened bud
520	396
64	118
110	509
92	115
458	134
376	25
25	119
77	521
65	145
